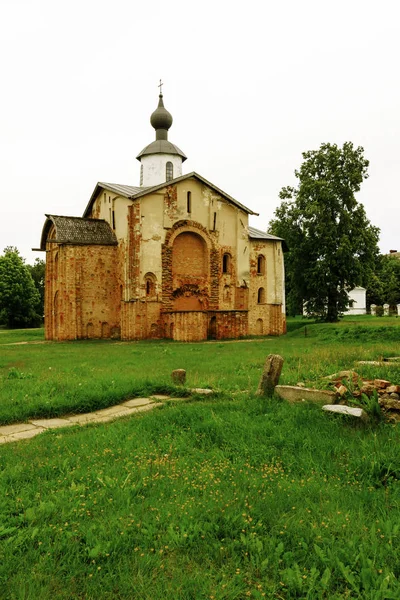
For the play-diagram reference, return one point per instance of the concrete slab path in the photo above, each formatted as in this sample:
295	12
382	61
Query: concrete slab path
23	431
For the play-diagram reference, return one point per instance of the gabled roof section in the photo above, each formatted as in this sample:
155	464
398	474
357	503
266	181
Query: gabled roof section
132	192
257	234
127	191
78	232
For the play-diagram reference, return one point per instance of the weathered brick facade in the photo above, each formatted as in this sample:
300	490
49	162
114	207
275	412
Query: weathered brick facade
175	261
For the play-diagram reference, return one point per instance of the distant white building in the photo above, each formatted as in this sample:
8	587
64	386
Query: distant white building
358	295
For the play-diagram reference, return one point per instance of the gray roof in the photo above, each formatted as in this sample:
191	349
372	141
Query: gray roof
162	147
257	234
124	190
78	231
132	192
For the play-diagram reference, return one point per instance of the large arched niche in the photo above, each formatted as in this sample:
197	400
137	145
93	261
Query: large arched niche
190	271
186	286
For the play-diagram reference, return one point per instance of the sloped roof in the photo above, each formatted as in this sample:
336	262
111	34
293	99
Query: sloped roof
257	234
78	231
162	147
132	192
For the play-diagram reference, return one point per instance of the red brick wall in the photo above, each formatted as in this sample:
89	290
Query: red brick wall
82	292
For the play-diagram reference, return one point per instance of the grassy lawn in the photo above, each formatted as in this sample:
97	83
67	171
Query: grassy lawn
231	498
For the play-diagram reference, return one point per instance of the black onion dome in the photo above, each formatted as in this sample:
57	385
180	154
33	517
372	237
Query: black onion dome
161	118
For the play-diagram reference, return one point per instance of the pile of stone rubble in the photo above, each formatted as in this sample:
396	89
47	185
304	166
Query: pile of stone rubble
348	384
345	389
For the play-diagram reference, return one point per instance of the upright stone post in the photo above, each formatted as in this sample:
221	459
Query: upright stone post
179	376
398	309
386	310
270	377
373	309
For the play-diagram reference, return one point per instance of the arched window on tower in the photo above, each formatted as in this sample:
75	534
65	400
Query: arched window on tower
260	265
169	171
261	296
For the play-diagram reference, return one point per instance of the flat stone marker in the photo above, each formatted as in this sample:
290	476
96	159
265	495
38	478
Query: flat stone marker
179	376
201	391
292	393
270	377
346	410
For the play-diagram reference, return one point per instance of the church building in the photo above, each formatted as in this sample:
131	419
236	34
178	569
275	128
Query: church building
173	258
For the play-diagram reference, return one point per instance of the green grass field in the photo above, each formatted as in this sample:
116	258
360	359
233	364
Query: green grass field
231	498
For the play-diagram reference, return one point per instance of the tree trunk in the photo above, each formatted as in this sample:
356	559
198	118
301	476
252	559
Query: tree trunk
332	308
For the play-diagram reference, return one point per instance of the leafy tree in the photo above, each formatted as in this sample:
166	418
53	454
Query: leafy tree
19	298
37	270
384	285
332	245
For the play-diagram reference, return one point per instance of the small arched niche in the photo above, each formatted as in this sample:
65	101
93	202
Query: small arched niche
150	281
261	296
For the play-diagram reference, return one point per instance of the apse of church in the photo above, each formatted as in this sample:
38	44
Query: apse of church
171	258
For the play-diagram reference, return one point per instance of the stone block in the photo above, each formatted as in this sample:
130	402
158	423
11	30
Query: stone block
343	375
293	393
201	391
341	390
381	383
389	403
350	411
270	376
393	389
179	376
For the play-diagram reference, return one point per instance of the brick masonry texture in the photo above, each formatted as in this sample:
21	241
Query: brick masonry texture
193	293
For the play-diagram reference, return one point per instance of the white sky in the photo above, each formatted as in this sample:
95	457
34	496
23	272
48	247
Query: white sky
251	85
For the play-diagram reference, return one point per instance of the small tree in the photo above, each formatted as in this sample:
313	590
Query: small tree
332	245
37	270
19	298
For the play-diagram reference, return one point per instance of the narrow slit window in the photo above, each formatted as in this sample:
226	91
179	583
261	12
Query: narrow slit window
215	221
261	296
260	265
226	263
141	175
189	202
169	171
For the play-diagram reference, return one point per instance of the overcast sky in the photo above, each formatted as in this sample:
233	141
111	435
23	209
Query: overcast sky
250	85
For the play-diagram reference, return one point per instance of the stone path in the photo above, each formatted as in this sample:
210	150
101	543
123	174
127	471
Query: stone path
23	431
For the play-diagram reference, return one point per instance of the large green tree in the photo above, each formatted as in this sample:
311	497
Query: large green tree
332	245
19	298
